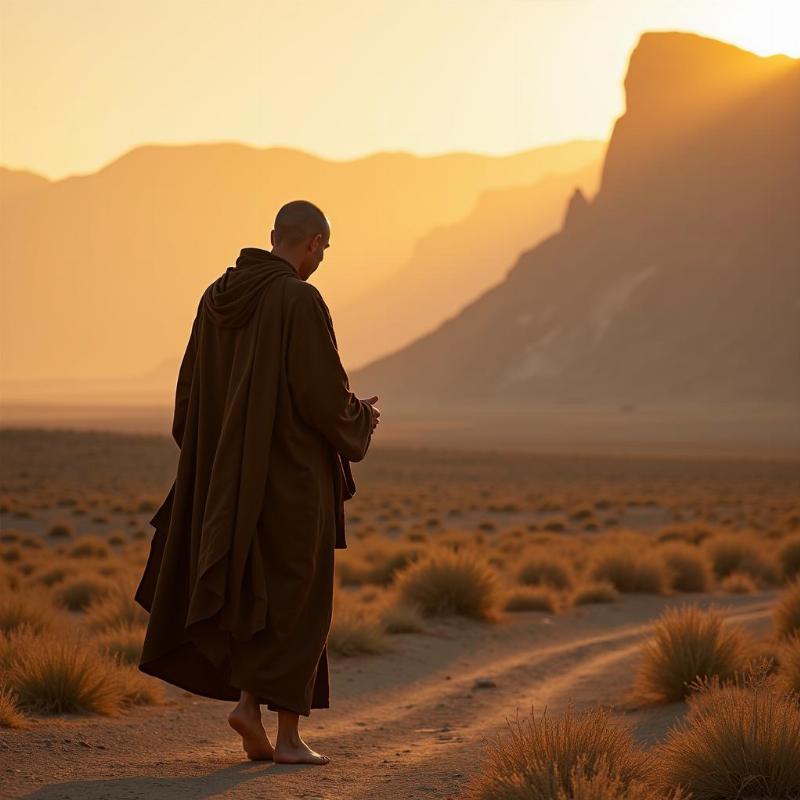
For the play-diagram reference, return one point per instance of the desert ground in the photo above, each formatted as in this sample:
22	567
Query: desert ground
481	590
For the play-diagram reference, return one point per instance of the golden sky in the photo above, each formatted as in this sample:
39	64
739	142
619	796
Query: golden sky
83	81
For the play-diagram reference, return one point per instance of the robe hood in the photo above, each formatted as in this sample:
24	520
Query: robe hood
233	297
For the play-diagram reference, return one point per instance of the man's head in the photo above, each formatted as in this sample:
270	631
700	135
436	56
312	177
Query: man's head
300	235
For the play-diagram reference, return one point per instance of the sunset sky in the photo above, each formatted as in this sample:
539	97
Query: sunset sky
83	81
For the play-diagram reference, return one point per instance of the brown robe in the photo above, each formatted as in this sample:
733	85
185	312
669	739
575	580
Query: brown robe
239	579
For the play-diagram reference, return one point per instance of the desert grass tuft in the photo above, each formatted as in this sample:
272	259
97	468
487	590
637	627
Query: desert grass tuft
546	569
384	563
789	663
688	567
20	607
57	573
738	740
138	689
447	582
60	530
594	592
541	758
90	547
402	618
689	643
80	591
115	608
629	570
787	610
355	632
122	642
10	714
738	583
603	783
51	673
789	556
741	552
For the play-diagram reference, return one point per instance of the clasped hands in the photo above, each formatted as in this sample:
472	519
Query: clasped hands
375	411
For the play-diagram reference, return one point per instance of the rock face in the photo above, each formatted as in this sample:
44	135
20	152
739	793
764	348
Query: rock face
577	209
679	283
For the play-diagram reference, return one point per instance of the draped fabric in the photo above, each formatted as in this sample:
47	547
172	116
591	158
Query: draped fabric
239	579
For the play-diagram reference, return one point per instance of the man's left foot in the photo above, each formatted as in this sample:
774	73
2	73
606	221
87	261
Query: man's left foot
247	723
297	753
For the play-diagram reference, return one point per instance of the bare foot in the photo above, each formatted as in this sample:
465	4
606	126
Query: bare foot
297	753
247	723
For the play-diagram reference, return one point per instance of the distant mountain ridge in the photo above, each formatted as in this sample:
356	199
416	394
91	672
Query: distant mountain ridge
678	282
102	272
453	264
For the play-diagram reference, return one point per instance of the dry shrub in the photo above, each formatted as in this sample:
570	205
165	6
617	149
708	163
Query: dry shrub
10	714
401	618
19	607
61	530
532	598
447	582
541	759
51	673
689	568
115	608
354	631
546	569
11	554
740	552
351	570
689	642
594	592
738	583
787	610
603	783
90	547
629	570
690	533
56	574
738	740
385	562
122	642
81	591
9	578
789	663
138	689
789	556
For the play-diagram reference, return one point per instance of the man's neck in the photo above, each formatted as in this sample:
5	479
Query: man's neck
287	257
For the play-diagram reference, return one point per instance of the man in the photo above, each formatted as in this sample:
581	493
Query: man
239	580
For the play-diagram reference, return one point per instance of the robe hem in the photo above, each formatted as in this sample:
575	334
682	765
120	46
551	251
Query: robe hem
230	693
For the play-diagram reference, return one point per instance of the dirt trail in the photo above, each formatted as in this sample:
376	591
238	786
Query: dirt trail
410	724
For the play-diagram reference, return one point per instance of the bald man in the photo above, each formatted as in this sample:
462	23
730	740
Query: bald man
239	580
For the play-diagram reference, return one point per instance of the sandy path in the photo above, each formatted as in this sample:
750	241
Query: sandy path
409	724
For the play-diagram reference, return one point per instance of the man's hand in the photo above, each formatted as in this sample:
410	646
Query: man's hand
375	412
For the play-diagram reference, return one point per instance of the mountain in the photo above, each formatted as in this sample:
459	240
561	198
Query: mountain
679	282
102	272
452	264
15	183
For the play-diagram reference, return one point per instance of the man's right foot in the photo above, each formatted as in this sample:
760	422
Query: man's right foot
254	738
300	753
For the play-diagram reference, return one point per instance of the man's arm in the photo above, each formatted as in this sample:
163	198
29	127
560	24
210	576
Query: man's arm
317	380
184	385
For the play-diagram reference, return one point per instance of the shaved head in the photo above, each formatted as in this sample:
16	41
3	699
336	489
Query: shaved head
298	221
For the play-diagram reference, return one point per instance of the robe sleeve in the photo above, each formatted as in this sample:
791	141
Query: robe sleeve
318	382
184	385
